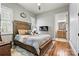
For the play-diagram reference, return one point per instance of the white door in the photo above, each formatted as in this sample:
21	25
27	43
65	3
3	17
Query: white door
73	19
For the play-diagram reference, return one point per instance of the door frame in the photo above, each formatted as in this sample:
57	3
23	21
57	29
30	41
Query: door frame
67	26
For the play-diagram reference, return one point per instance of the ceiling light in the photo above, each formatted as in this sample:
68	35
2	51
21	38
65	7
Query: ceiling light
38	4
39	7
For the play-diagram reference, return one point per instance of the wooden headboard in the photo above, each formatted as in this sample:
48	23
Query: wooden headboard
20	25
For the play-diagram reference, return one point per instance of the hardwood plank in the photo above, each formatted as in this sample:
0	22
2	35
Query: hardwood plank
60	49
61	34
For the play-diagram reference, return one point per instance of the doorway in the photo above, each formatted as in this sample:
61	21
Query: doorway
61	25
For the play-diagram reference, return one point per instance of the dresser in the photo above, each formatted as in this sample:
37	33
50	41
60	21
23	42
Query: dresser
5	49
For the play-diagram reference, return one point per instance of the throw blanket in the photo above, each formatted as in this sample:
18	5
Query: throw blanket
33	40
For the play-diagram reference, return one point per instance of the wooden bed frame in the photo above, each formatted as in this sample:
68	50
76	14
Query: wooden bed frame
27	26
0	38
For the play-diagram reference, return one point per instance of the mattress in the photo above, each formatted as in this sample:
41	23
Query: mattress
33	40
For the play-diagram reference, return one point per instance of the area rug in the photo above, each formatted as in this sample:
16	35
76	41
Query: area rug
17	51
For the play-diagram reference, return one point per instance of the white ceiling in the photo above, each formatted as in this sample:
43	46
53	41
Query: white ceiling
44	7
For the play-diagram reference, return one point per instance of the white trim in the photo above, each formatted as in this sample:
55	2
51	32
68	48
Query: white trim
73	48
78	50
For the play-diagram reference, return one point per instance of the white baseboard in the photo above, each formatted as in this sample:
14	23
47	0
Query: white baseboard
78	50
75	52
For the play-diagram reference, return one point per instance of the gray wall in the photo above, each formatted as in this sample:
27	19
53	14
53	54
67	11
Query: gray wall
48	19
17	9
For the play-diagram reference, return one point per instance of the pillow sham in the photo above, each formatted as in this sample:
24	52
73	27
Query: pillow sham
24	32
28	32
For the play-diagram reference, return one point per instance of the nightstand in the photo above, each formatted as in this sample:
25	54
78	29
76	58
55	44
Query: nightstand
5	49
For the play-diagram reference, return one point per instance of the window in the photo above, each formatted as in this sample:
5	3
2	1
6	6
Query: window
6	20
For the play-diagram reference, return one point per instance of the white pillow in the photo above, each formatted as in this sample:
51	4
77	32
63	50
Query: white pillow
22	31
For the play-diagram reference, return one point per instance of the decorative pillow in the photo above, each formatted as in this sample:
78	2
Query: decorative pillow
28	32
24	32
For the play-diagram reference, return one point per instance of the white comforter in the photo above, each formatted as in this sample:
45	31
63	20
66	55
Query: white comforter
33	40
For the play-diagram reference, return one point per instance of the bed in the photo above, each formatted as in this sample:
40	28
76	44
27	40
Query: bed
36	44
0	38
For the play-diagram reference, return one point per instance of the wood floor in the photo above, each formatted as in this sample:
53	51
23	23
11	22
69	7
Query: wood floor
60	49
